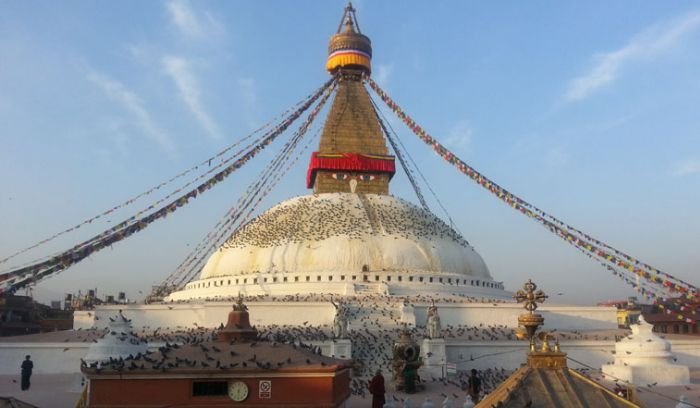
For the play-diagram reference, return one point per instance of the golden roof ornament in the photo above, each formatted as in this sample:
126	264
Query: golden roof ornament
530	321
349	48
530	296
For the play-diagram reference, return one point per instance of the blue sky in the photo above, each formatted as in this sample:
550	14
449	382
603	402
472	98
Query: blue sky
588	110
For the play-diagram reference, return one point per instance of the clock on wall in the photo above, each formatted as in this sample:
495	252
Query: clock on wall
237	391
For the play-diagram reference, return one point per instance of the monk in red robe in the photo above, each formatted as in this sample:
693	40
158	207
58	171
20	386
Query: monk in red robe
376	388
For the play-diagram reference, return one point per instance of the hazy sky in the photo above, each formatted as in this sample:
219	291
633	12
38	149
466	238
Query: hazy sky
589	110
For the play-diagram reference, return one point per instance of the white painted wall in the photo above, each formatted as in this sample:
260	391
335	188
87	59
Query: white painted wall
48	358
212	314
559	317
378	282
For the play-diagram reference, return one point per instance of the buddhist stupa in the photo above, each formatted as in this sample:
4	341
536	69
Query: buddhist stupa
350	236
644	358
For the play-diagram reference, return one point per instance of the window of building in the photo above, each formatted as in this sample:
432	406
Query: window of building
400	278
255	280
388	278
245	280
308	278
296	279
342	277
206	388
318	278
274	279
376	277
330	278
354	277
365	268
284	279
420	279
440	280
265	280
430	280
236	281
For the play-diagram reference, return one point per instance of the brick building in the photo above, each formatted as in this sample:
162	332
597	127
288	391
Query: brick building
235	370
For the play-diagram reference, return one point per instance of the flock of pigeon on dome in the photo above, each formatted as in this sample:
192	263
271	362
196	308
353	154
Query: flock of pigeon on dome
317	219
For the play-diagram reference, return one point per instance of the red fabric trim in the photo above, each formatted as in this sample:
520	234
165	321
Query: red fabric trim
349	162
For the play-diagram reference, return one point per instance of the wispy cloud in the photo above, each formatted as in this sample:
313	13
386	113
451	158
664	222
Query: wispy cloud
650	43
247	86
460	136
118	92
188	86
686	168
382	72
249	95
188	22
557	157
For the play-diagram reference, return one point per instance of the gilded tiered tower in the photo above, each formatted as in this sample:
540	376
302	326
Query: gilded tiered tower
352	155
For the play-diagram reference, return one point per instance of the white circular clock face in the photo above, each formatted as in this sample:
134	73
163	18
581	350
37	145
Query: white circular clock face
237	391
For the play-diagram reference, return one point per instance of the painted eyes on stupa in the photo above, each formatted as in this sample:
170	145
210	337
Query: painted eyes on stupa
361	177
340	176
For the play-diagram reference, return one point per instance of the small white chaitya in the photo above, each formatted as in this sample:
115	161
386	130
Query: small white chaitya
645	358
119	342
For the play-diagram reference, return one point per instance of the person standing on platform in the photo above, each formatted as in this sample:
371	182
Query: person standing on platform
27	367
376	388
474	386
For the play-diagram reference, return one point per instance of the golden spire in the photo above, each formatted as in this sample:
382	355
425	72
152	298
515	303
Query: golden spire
352	155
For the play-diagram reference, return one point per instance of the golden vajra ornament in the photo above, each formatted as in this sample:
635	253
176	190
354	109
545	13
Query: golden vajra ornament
531	296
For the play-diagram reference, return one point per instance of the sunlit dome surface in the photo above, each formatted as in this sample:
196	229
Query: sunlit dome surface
345	232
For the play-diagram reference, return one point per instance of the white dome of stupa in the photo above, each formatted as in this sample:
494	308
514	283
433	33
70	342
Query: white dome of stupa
345	244
345	233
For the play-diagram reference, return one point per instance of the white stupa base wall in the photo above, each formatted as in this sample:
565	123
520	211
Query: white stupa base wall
212	314
433	353
662	375
404	283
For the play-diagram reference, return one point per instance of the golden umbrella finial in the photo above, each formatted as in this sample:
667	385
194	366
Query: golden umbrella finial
349	48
